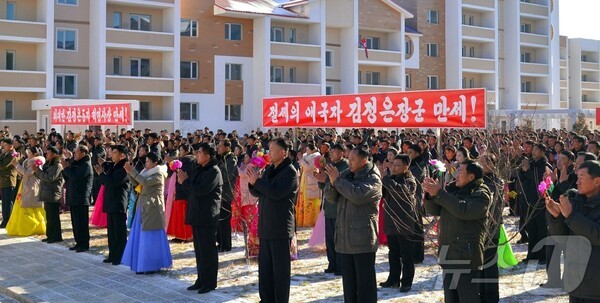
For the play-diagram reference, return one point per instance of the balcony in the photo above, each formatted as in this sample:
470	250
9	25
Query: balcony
487	4
478	65
587	85
139	40
534	40
22	31
563	84
531	99
563	63
295	89
477	33
366	88
22	81
534	10
125	85
535	69
590	104
295	51
144	3
380	57
590	66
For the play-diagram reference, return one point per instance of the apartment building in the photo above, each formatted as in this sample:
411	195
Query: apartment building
584	75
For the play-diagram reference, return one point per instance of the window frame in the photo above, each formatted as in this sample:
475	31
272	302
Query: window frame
120	59
374	77
228	112
407	81
526	57
430	18
14	59
274	30
373	42
292	35
140	60
229	71
330	52
14	5
76	44
63	94
64	2
228	31
331	90
292	75
526	87
430	48
430	79
131	15
193	110
193	65
192	28
408	49
277	68
120	14
137	115
526	28
12	109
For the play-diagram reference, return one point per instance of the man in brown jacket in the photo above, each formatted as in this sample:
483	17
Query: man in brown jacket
8	180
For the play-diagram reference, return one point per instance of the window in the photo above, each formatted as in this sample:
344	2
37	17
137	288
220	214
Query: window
584	58
8	110
277	34
584	98
408	47
189	28
584	77
468	20
117	66
372	78
233	71
526	86
67	2
525	57
408	81
525	28
66	85
328	90
464	51
432	49
117	19
432	82
140	67
372	42
276	74
189	69
468	83
472	52
189	111
233	31
292	78
10	60
359	77
233	112
11	10
329	58
66	39
292	35
432	17
140	22
143	113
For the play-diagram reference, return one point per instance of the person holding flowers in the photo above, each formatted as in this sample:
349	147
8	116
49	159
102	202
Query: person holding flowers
28	216
177	227
309	198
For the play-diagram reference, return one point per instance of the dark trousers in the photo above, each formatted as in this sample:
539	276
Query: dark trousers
207	255
358	278
537	230
53	231
80	219
224	231
117	235
553	252
419	239
8	196
523	207
95	189
335	262
274	270
459	287
401	259
581	300
489	288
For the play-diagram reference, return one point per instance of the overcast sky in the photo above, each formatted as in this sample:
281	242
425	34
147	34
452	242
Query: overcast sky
579	18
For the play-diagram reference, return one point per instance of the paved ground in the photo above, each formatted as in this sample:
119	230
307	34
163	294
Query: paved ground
33	271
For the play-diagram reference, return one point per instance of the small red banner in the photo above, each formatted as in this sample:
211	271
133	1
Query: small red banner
597	116
465	108
105	114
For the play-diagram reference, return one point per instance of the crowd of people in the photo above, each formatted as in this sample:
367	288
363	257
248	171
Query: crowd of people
371	187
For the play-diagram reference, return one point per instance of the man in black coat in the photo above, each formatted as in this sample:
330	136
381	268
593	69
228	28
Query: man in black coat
116	188
79	176
277	191
228	167
98	156
418	168
51	183
204	186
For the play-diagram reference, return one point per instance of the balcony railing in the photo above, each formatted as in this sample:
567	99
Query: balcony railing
120	84
489	4
478	32
589	85
295	89
145	3
143	40
298	51
479	64
534	39
26	81
378	55
590	65
534	9
535	69
366	88
22	31
530	99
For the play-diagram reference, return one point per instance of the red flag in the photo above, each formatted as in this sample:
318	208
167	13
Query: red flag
363	43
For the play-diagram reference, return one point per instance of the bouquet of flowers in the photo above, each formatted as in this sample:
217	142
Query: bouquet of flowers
546	187
438	166
260	159
175	165
320	162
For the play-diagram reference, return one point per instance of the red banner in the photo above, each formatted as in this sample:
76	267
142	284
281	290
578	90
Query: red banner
464	108
597	116
104	114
